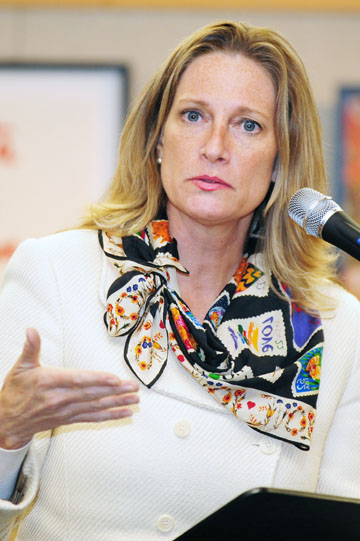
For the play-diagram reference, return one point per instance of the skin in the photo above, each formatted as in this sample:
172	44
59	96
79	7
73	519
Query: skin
220	126
36	398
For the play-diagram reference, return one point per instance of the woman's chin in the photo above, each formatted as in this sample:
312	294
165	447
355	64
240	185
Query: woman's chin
204	213
211	217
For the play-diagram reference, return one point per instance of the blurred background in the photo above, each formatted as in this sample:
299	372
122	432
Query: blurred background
69	69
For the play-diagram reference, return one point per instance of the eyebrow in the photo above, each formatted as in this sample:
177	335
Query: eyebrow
240	109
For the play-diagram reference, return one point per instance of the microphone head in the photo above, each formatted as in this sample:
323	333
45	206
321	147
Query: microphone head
311	210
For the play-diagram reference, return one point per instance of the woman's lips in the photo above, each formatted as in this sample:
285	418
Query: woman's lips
208	184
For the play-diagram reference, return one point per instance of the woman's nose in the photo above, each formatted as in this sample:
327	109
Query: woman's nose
216	144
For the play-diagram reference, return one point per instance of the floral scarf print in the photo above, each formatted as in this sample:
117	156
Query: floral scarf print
257	354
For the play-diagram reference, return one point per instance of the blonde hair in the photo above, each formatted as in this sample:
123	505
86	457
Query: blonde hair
136	193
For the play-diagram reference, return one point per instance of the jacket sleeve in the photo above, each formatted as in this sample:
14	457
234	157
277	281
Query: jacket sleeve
340	467
29	298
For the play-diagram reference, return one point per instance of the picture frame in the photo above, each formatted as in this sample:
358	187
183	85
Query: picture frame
348	159
348	172
60	127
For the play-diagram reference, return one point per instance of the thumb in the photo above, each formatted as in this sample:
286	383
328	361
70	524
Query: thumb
31	351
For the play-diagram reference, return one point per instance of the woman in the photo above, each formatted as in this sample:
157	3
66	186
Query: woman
221	332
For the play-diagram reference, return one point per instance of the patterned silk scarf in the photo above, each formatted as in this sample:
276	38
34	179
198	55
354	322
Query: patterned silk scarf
256	354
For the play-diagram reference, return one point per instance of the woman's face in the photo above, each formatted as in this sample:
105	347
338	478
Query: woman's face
218	143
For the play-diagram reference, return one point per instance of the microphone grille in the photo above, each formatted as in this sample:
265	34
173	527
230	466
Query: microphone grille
309	209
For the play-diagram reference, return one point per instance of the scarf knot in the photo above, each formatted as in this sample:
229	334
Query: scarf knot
130	298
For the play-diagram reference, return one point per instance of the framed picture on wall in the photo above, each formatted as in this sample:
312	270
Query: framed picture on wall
348	171
60	126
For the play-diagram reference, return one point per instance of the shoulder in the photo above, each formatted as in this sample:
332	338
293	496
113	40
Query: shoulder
65	246
346	304
71	242
68	254
342	327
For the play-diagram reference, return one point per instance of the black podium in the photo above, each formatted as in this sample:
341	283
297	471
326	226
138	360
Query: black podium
281	515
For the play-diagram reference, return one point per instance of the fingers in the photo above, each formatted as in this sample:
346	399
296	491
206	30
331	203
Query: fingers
35	398
84	381
31	351
107	407
104	415
69	378
69	402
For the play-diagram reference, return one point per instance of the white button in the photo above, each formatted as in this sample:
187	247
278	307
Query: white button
165	523
182	429
268	447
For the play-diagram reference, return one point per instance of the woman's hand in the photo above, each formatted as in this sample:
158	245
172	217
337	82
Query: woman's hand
36	398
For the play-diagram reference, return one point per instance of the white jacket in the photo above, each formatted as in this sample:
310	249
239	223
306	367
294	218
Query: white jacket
182	455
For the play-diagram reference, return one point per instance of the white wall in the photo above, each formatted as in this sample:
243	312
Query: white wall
328	43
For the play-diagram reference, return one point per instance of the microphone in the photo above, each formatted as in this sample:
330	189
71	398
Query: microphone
320	216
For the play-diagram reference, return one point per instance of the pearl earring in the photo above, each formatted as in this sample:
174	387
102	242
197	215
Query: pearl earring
159	160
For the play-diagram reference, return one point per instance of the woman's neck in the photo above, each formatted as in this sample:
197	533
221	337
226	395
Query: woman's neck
211	254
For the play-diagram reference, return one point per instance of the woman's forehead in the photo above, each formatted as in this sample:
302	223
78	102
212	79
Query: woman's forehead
226	76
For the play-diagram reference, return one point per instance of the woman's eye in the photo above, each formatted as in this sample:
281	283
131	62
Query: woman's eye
192	116
250	125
